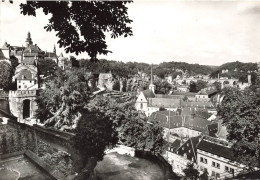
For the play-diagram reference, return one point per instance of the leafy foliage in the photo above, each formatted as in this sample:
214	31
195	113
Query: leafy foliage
197	86
131	126
95	134
6	74
240	111
81	25
190	172
204	175
60	104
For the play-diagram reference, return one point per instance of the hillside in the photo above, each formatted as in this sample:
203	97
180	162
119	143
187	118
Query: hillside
130	68
237	70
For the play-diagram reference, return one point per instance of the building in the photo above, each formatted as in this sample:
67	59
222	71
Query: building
217	157
186	153
149	102
185	122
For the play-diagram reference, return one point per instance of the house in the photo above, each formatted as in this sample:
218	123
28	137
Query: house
186	153
184	122
149	102
143	99
217	157
183	88
206	94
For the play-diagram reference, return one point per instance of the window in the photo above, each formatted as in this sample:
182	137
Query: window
204	160
216	165
19	81
217	175
141	106
19	87
25	86
226	168
213	173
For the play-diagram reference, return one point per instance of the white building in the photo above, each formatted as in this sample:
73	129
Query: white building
216	156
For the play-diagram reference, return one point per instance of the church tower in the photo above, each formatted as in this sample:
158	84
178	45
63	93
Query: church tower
54	49
28	41
152	86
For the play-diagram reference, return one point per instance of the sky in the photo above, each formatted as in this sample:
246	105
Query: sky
203	32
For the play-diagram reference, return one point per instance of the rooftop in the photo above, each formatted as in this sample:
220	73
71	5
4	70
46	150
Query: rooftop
216	146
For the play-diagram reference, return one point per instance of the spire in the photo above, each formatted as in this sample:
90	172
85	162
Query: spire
28	39
152	74
54	49
152	86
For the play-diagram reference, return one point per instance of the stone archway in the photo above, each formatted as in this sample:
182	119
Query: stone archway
26	108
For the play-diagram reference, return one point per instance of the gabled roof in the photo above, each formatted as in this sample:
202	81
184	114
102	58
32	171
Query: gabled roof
148	94
174	145
188	149
32	49
2	56
216	146
177	120
29	61
159	102
5	46
25	74
199	104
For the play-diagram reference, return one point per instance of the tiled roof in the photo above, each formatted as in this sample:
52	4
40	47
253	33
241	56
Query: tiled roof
174	145
159	102
32	49
148	94
29	61
25	74
200	104
216	146
176	120
5	46
189	149
2	56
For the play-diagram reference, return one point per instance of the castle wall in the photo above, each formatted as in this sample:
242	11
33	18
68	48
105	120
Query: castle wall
16	102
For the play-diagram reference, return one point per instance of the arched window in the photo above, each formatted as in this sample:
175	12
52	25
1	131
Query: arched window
141	106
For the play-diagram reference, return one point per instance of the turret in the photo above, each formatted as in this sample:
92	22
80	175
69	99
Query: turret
152	86
28	41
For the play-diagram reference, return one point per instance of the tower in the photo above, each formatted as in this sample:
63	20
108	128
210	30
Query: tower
28	41
152	86
249	79
54	49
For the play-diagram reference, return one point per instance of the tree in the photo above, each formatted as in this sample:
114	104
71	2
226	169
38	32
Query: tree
14	61
200	85
240	111
116	86
94	134
47	67
6	74
81	25
61	102
217	86
204	175
193	87
4	143
190	172
131	126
